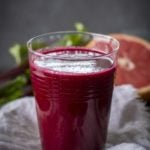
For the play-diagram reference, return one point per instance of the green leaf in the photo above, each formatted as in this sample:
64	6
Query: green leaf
80	27
12	89
76	39
19	52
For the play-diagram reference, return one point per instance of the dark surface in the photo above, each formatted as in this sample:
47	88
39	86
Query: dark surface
21	20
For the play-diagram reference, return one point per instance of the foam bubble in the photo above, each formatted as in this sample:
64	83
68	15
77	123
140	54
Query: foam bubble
74	65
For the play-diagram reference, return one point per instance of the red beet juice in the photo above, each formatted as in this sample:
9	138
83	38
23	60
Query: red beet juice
73	90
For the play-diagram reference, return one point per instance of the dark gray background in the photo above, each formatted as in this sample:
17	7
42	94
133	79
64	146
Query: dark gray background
23	19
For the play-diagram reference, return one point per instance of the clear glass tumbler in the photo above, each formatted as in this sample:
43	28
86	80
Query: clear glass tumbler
72	76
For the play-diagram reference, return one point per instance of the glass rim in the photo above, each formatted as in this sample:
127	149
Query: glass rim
29	44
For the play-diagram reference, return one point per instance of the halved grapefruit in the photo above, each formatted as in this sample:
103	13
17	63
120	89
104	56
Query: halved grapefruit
133	61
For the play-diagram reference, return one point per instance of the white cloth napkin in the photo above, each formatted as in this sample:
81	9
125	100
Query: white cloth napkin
129	127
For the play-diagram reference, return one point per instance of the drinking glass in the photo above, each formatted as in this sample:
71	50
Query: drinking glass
72	77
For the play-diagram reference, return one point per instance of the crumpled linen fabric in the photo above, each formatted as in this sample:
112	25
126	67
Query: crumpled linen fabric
129	127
